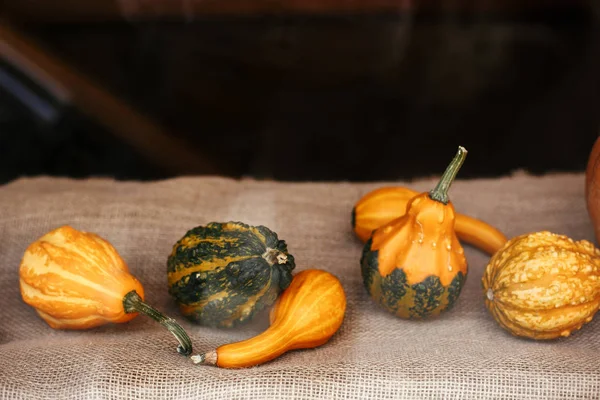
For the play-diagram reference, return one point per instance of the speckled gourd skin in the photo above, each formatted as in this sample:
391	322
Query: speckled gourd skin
223	274
543	285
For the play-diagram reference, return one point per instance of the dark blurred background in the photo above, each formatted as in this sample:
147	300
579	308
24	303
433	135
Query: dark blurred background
296	90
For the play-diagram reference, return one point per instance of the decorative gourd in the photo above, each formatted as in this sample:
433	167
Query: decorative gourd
592	187
543	285
306	315
385	204
222	274
414	266
77	280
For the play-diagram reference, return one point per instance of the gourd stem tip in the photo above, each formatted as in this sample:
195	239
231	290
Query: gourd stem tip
208	358
440	192
132	302
198	358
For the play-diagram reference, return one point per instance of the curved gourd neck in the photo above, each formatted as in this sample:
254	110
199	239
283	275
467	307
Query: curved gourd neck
259	349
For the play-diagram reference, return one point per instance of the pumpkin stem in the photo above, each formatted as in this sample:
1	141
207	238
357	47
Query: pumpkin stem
132	302
274	256
209	358
440	192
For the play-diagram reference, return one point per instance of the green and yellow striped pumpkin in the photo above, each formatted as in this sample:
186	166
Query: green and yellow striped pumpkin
222	274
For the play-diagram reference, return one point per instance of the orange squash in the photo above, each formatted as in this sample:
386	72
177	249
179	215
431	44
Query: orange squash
414	266
385	204
543	285
77	280
306	315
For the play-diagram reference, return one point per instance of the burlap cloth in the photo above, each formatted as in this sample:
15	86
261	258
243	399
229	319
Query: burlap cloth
464	354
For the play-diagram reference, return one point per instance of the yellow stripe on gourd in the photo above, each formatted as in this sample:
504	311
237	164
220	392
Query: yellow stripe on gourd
248	305
204	266
189	242
95	252
60	306
63	278
187	309
106	270
75	323
233	227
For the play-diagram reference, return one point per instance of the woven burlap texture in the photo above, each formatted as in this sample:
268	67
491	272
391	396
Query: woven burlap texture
462	355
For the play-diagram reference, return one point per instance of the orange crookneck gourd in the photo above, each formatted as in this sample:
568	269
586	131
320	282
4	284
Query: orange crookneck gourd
77	280
414	266
306	315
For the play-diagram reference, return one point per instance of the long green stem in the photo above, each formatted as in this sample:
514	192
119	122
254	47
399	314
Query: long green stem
132	302
440	192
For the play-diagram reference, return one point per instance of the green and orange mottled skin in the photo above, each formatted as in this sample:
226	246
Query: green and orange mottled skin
424	299
222	274
414	266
